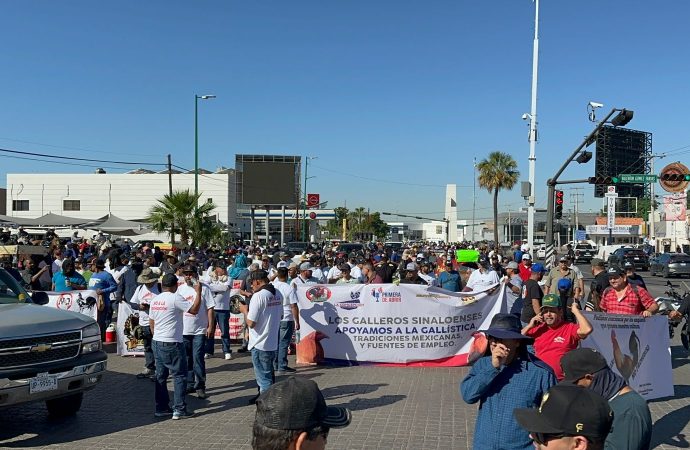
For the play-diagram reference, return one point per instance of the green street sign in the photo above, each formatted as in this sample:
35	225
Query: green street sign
637	178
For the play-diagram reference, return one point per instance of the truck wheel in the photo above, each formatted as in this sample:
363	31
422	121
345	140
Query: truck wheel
65	406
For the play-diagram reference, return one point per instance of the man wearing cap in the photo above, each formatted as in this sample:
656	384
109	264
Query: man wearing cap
449	278
505	379
632	276
385	269
140	302
197	328
288	324
513	284
632	421
598	285
293	415
304	276
263	319
168	265
482	278
532	294
346	275
553	336
167	324
622	298
563	270
412	275
525	267
568	419
426	274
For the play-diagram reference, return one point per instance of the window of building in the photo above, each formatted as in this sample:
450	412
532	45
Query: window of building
210	200
439	229
20	205
71	205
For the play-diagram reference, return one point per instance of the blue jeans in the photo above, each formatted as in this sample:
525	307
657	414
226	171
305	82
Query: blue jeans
223	321
195	345
170	358
263	368
287	327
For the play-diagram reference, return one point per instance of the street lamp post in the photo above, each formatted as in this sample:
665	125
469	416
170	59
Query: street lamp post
196	139
533	130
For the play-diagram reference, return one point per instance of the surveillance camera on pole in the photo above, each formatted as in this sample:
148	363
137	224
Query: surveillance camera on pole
591	108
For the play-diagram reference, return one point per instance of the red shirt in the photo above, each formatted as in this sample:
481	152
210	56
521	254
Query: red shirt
631	303
525	271
550	344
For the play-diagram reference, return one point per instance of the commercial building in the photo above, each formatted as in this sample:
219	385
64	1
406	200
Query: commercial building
127	195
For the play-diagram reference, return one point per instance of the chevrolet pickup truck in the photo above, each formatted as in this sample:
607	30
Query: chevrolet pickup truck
46	354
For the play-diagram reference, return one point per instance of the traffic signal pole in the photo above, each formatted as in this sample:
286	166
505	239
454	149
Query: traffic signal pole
553	181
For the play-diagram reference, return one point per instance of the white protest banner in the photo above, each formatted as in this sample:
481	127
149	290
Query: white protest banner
386	323
636	348
127	344
78	301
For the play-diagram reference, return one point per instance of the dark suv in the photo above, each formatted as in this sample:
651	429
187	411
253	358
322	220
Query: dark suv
636	256
584	252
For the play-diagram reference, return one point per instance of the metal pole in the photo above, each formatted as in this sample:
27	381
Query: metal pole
304	200
196	145
170	190
533	129
652	209
282	226
474	193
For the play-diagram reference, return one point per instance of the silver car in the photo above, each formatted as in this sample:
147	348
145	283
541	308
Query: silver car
670	265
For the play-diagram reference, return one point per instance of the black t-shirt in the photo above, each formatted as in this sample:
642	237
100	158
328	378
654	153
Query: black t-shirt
599	283
530	290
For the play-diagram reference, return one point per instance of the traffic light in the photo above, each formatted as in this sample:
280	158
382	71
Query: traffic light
604	180
675	177
558	203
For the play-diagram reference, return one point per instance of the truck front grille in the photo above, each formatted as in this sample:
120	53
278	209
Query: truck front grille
27	351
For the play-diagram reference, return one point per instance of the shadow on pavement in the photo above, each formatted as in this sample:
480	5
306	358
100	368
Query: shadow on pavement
332	393
358	404
101	414
667	430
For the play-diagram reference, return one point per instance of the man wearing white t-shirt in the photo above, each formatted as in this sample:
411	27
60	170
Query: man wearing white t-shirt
140	301
288	324
166	321
482	278
197	328
263	319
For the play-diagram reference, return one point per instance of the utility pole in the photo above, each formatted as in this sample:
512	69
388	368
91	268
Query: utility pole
172	225
474	192
533	129
652	201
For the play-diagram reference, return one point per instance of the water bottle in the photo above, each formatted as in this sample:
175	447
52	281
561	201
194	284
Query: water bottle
297	337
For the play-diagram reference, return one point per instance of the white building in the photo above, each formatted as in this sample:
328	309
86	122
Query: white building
126	195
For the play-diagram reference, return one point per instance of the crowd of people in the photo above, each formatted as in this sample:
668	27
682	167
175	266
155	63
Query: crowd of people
182	295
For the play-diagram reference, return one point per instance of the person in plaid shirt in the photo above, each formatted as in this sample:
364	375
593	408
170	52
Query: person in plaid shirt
622	298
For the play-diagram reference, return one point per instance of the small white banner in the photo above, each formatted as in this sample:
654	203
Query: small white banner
83	302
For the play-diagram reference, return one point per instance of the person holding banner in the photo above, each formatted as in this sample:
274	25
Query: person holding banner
632	421
623	298
508	377
140	301
482	278
553	336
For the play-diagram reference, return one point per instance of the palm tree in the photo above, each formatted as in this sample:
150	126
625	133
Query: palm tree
179	211
498	171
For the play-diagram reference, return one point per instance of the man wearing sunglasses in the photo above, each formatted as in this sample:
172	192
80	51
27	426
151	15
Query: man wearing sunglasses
568	418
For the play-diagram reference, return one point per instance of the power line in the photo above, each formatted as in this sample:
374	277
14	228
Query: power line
76	148
72	158
61	162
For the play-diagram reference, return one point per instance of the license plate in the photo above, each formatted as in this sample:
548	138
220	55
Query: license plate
43	382
637	259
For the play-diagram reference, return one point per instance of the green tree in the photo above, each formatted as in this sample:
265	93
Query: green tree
178	212
497	172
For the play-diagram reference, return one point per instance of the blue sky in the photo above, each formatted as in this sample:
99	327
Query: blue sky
395	98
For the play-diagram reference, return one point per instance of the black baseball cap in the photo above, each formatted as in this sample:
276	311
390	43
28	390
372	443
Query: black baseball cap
580	362
615	271
568	410
298	404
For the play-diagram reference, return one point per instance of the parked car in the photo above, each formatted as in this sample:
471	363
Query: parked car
584	252
670	264
349	247
46	354
636	256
